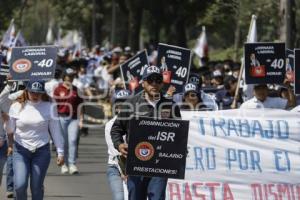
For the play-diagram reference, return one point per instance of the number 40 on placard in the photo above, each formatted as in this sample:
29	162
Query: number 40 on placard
277	63
45	63
181	72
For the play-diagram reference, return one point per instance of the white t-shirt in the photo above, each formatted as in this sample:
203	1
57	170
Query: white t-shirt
270	102
51	85
112	152
31	125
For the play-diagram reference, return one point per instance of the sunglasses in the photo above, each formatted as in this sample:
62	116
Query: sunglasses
156	79
191	94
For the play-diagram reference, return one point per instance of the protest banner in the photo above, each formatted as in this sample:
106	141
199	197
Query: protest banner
240	155
157	147
4	71
16	86
297	71
132	71
33	63
174	62
264	63
289	65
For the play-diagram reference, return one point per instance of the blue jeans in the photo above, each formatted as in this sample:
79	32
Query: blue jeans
70	131
115	182
30	164
9	174
141	187
3	156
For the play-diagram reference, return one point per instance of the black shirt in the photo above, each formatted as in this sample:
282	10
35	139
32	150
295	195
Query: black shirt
139	106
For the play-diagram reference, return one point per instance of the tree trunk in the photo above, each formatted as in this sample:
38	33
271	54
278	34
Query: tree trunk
287	27
237	34
291	24
123	23
282	23
135	18
180	32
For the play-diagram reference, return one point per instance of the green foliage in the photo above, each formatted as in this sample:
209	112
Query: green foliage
224	54
8	10
170	21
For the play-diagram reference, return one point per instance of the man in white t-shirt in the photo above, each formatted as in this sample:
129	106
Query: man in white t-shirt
262	100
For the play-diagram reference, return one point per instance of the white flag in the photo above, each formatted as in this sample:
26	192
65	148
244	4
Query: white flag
252	34
68	41
20	40
9	36
201	48
251	38
49	36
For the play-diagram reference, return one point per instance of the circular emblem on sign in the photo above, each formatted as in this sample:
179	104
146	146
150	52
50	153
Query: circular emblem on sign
21	65
144	151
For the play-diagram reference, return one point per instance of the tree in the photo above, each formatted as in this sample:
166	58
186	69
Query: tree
135	8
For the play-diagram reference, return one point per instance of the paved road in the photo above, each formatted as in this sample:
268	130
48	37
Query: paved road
90	184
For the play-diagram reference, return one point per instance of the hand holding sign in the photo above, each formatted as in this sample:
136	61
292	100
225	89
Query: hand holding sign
174	64
132	71
123	149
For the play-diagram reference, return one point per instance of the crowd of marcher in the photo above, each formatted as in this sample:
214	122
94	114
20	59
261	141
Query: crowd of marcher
42	111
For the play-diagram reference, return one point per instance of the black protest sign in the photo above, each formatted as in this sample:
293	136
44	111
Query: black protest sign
4	71
297	71
33	63
174	63
157	148
289	65
16	86
132	71
264	63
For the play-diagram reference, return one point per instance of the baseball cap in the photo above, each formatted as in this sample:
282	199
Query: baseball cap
195	78
217	73
127	48
151	70
190	87
36	86
70	71
117	50
120	95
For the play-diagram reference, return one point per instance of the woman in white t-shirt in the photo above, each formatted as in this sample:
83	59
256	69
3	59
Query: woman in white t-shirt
30	122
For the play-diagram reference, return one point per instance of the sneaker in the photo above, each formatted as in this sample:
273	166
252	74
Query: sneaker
9	195
73	169
64	169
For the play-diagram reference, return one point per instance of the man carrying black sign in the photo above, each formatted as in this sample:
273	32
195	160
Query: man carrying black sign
149	103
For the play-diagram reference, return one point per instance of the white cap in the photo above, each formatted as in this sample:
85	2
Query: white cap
117	50
217	73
